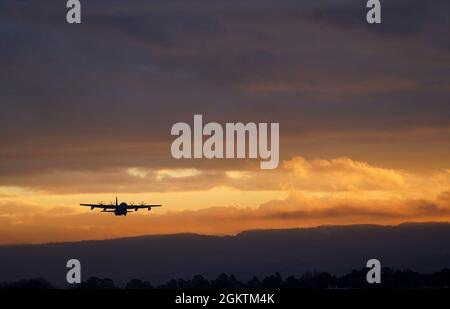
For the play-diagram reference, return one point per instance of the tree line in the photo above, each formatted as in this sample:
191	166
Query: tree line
311	280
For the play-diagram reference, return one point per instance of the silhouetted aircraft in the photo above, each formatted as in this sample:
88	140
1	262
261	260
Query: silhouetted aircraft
120	209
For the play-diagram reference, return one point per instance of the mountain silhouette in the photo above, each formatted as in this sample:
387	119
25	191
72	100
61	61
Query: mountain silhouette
422	247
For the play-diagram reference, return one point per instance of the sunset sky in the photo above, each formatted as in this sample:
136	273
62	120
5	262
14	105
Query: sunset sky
86	112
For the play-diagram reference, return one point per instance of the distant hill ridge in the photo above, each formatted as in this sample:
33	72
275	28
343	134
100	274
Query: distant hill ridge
422	247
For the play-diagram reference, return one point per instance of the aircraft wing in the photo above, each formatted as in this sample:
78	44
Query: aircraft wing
140	206
102	206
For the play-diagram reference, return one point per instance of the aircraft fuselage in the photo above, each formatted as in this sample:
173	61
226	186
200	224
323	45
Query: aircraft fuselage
121	210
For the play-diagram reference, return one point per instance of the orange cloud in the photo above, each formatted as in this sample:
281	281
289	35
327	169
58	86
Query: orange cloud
343	174
218	201
296	210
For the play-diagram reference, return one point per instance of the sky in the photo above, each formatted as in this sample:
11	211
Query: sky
86	112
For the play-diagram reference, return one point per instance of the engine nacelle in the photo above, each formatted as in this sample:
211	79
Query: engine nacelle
92	208
149	208
136	209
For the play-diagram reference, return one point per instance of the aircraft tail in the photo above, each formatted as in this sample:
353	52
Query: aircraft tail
117	203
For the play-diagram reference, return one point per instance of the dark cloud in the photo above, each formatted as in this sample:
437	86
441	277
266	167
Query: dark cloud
399	17
296	207
112	87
